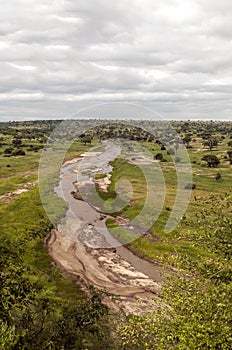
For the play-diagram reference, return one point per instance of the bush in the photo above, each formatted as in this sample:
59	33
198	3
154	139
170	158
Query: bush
8	150
33	148
18	152
171	152
17	142
218	176
177	160
211	160
190	186
159	156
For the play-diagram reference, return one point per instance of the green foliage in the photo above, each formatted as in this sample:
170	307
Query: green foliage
187	139
211	142
17	142
159	156
8	150
193	314
100	176
212	230
19	152
190	186
37	322
39	309
8	338
211	160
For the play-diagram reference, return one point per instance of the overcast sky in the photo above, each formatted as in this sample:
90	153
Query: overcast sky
174	56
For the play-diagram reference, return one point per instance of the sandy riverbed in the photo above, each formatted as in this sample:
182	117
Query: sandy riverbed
134	291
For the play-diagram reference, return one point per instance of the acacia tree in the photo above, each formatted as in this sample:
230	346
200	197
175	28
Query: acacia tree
211	143
187	139
211	160
17	142
86	139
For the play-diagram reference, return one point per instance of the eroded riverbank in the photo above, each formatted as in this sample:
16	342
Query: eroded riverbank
131	290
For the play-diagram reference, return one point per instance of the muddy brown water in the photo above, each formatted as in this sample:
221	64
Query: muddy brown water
93	163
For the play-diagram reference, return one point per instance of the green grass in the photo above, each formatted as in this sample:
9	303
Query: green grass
20	164
167	245
24	222
12	183
77	148
36	256
100	176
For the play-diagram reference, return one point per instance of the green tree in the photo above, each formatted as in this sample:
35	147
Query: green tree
86	139
17	142
211	160
187	139
211	143
159	156
8	150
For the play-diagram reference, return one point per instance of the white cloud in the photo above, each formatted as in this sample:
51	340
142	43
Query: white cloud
59	55
25	68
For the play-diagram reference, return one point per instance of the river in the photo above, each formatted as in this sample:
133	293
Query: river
82	221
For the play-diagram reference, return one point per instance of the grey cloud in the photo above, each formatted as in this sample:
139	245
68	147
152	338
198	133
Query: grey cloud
58	56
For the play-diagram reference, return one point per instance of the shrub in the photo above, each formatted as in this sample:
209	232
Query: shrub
17	142
177	160
171	152
8	150
159	156
211	160
190	186
18	152
218	176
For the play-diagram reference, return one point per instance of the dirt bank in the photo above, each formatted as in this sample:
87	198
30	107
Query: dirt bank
131	290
